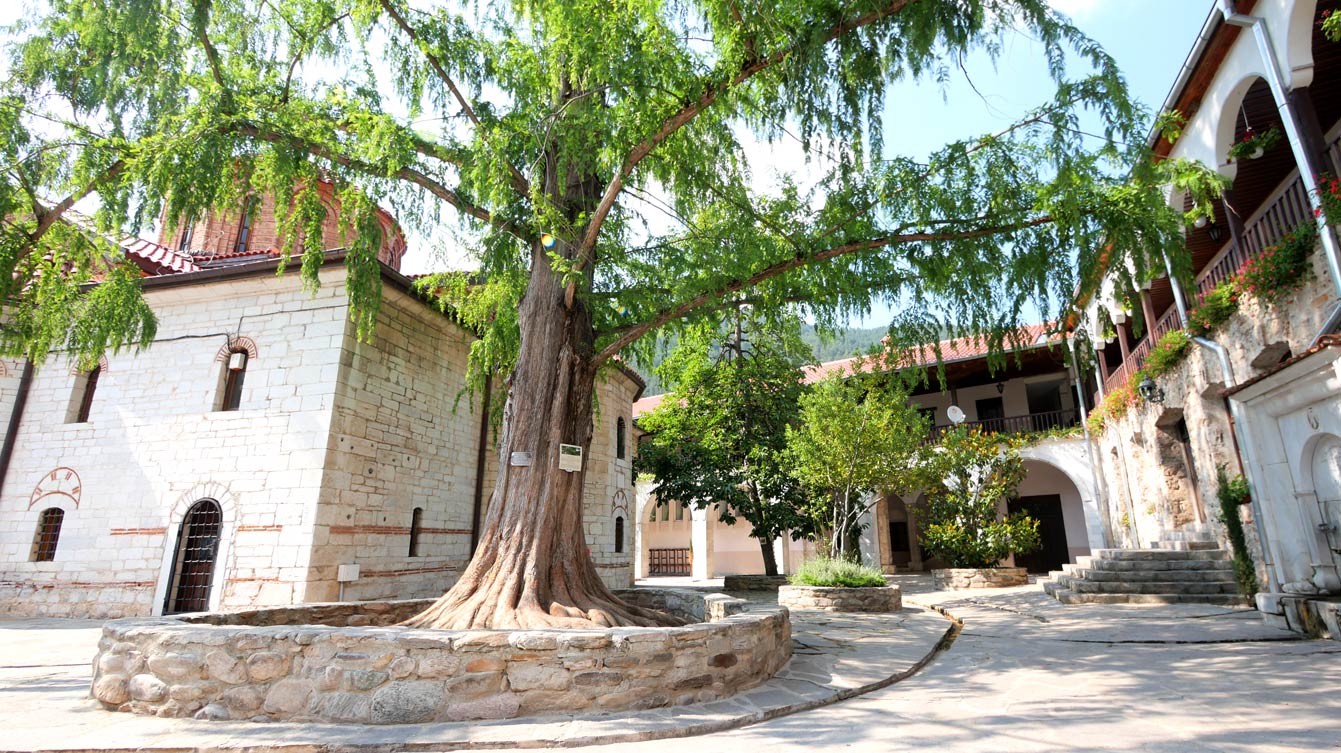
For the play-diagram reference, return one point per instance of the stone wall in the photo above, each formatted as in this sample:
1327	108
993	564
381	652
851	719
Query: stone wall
957	578
834	599
382	675
1152	489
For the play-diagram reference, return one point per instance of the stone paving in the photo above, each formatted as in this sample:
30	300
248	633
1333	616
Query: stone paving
1025	674
44	705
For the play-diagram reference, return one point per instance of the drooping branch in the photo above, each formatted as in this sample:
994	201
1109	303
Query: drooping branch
409	174
711	93
793	263
48	217
519	182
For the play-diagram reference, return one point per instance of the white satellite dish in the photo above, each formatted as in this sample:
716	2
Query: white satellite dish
955	414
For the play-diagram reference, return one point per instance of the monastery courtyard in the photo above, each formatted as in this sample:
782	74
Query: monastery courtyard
1024	673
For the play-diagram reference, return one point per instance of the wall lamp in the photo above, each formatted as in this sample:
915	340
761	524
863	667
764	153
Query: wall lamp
1150	391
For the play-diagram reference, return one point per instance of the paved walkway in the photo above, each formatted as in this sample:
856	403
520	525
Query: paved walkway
1026	674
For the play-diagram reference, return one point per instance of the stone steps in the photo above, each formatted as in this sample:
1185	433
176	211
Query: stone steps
1187	568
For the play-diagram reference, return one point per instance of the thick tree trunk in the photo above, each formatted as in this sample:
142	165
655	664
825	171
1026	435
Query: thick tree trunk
532	568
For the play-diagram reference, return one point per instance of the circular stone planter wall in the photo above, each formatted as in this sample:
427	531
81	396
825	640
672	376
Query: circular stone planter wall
957	578
275	664
834	599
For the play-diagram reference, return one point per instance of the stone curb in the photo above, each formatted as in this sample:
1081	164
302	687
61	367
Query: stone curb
795	689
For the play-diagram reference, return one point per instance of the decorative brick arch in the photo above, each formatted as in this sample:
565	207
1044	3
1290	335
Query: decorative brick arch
102	367
619	504
235	344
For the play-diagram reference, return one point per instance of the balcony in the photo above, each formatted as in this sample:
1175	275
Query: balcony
1029	423
1286	208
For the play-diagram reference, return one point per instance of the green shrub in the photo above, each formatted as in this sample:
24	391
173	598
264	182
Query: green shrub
1166	354
1232	494
1280	267
1213	308
823	571
964	477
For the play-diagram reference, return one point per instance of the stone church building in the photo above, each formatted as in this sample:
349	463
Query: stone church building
257	453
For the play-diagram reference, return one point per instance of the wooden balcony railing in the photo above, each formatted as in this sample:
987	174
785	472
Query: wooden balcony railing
1285	211
1025	424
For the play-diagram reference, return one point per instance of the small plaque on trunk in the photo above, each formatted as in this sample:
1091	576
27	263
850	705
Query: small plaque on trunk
570	457
520	458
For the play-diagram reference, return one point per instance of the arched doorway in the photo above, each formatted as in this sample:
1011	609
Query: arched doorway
1050	496
194	559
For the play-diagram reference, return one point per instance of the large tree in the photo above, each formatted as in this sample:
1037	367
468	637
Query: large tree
552	131
719	437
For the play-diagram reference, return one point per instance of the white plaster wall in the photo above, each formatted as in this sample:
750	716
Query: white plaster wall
153	442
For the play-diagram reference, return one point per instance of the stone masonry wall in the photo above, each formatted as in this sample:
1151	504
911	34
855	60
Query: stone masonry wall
1150	491
834	599
154	444
400	440
957	578
381	675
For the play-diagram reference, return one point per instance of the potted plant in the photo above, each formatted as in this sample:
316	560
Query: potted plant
1254	144
966	476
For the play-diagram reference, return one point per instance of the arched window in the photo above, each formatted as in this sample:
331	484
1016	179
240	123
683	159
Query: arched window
235	371
85	386
619	535
48	534
620	436
653	517
244	231
416	525
193	560
679	511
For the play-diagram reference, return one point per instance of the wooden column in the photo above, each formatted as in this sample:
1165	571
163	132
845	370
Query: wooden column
1148	311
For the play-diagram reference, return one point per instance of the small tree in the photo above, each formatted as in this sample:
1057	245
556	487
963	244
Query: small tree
858	434
965	477
719	435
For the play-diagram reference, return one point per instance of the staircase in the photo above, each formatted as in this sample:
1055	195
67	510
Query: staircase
1185	569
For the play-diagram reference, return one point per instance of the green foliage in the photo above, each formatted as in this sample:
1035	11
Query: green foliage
965	476
1169	124
1331	25
549	119
836	573
857	435
1213	308
1253	143
1234	493
1279	268
1114	405
1167	353
718	437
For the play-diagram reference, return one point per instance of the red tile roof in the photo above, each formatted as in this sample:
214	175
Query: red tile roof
957	349
156	259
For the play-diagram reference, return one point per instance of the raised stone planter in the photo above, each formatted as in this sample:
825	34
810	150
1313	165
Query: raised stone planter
834	599
276	664
753	582
957	578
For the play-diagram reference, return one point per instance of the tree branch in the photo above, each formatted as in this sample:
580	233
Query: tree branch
688	112
519	182
793	263
46	218
420	179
